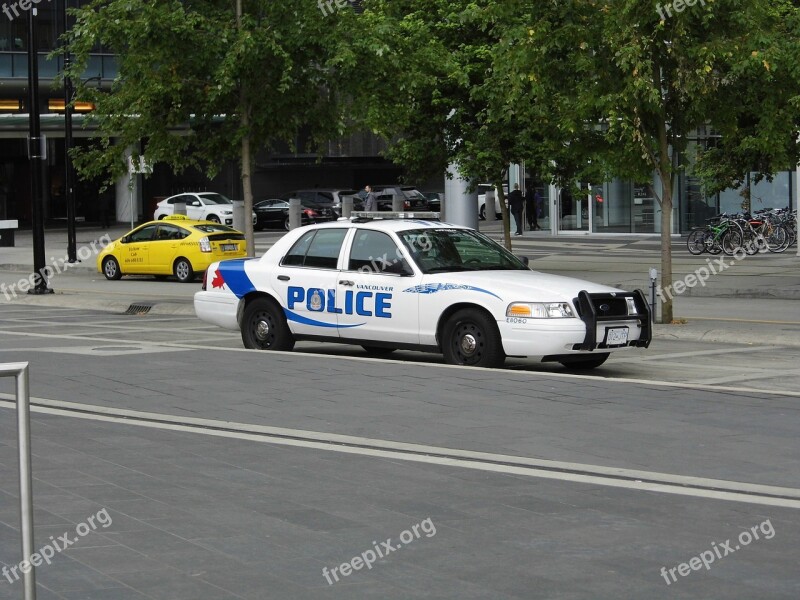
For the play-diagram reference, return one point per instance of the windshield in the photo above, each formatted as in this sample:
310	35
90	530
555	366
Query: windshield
215	199
447	250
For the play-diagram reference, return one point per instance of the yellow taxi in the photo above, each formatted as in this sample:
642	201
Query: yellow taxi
176	245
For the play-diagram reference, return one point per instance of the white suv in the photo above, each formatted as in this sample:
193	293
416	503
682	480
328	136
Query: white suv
202	206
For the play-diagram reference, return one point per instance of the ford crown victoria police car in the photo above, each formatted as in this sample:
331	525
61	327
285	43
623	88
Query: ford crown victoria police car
418	284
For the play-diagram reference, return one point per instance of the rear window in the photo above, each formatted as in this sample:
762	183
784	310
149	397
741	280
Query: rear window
214	228
316	249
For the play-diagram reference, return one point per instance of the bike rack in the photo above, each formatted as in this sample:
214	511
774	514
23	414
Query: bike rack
20	373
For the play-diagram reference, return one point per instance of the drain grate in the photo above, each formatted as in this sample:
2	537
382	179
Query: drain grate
138	309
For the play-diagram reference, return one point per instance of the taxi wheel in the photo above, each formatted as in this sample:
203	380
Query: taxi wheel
264	327
378	350
183	270
584	364
471	338
111	268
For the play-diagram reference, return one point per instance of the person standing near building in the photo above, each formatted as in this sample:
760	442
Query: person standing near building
371	201
532	203
516	203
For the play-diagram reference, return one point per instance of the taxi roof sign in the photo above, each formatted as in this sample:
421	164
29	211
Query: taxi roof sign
176	218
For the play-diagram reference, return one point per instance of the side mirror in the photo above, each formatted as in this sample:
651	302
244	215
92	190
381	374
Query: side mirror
125	239
524	260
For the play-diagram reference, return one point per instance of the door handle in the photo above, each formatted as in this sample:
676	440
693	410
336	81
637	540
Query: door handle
345	282
283	278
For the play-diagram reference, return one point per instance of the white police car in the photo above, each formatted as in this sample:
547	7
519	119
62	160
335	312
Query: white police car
409	282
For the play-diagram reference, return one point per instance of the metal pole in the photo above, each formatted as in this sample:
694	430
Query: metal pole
36	155
653	278
20	372
69	190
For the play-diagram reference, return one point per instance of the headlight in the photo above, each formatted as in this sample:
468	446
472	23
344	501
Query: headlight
540	310
227	212
205	245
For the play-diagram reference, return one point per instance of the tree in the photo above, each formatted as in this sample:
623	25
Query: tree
421	68
202	82
615	88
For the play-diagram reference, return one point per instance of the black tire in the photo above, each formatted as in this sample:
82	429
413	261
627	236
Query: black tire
286	225
378	350
470	337
264	327
111	268
161	218
183	270
257	227
213	219
731	242
695	242
585	364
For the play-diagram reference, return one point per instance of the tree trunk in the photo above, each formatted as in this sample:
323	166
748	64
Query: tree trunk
247	182
665	174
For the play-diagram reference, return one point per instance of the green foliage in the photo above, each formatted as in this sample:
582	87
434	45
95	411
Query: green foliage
187	74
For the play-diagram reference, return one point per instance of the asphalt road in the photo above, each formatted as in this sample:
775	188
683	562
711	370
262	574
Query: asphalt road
239	474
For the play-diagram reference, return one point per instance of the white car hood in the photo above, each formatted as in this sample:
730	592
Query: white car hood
531	286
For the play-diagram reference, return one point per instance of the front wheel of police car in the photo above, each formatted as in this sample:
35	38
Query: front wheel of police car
264	327
470	337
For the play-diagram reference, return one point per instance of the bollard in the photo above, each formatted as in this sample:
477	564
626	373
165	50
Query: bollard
238	215
294	213
347	206
653	277
398	203
20	372
179	208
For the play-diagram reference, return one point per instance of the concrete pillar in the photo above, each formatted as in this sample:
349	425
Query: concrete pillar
462	206
347	206
295	218
128	196
238	215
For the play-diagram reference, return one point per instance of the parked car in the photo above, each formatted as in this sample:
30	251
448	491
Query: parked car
274	212
396	283
413	199
482	189
201	206
175	245
330	198
434	200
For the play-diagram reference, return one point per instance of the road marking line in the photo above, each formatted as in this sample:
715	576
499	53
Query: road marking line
652	481
543	374
733	320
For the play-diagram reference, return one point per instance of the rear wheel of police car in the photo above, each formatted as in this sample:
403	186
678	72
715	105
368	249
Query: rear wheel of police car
585	364
111	268
470	337
183	270
264	326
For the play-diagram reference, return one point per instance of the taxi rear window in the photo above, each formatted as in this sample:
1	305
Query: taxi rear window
214	228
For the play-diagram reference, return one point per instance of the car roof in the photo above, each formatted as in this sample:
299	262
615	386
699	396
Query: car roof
179	222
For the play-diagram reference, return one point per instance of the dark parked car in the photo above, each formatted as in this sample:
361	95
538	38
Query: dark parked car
434	200
413	199
330	198
274	212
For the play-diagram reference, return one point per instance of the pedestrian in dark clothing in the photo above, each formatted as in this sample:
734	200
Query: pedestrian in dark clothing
532	203
516	203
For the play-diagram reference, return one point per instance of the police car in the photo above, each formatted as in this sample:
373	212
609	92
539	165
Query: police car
405	280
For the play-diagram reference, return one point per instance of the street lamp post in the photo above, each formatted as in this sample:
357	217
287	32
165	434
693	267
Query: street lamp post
36	154
69	177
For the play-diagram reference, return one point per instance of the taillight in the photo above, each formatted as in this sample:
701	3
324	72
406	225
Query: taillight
406	204
205	245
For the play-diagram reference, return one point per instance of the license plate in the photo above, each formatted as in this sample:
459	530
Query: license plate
229	247
616	336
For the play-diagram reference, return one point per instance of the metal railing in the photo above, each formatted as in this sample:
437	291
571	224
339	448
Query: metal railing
20	373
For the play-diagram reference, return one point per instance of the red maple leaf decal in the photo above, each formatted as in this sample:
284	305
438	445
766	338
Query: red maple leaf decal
218	281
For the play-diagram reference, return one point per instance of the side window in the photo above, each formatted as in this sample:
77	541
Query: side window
145	234
317	249
324	197
170	232
297	255
376	252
